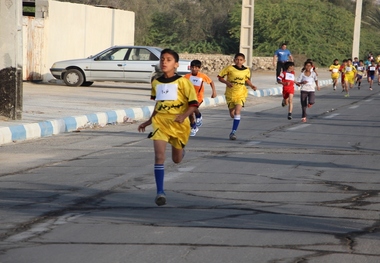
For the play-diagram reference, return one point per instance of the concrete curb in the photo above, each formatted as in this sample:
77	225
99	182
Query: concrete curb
73	123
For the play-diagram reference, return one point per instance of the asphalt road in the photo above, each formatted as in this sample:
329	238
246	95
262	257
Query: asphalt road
284	191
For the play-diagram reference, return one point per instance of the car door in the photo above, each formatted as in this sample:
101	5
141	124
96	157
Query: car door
109	65
140	65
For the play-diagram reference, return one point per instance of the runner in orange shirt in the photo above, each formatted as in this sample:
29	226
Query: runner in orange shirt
198	78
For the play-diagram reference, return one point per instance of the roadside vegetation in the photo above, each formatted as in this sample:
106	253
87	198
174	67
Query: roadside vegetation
317	29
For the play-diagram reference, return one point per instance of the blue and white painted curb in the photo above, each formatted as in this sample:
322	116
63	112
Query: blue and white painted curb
73	123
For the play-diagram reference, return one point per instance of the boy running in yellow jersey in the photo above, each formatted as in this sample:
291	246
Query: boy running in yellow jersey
334	69
236	91
349	76
175	101
198	79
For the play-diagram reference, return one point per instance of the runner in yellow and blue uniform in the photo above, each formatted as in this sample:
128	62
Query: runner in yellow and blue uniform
236	92
175	101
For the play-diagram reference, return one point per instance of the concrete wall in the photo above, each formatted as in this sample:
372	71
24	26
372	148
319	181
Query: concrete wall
73	31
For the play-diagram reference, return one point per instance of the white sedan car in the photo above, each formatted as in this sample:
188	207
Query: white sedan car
117	63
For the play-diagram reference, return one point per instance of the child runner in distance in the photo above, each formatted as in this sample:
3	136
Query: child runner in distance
350	74
236	92
287	80
371	71
198	79
334	69
175	101
378	73
360	73
308	81
342	75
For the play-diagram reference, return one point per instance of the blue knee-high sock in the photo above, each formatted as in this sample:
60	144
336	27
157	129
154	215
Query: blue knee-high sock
198	115
236	122
159	175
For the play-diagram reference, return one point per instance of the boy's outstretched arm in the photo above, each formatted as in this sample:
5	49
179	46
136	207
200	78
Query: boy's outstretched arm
143	125
251	85
213	95
225	81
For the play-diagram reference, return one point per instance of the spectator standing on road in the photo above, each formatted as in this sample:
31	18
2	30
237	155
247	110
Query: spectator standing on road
198	79
175	101
282	55
308	81
287	80
236	92
334	69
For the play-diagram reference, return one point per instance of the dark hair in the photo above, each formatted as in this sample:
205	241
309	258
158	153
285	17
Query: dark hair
171	52
336	59
307	62
196	63
361	61
288	64
349	60
344	60
240	55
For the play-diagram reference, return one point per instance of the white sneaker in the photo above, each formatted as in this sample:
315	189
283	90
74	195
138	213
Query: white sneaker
198	121
194	131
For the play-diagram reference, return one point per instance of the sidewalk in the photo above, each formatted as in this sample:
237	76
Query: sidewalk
51	109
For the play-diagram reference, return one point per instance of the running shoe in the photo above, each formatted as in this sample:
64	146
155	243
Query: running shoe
303	119
370	88
289	116
160	199
198	121
194	131
283	104
233	135
334	88
347	95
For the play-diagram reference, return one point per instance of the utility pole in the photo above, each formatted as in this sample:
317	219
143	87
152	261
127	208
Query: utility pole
246	30
11	59
358	20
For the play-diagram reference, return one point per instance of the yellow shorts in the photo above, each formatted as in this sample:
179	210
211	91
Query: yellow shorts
350	78
335	76
168	130
236	98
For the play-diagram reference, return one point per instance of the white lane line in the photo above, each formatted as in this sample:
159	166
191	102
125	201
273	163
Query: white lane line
298	127
253	143
369	100
354	107
331	116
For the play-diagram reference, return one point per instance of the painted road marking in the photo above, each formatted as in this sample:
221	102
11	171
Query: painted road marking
298	127
253	143
354	107
331	116
369	100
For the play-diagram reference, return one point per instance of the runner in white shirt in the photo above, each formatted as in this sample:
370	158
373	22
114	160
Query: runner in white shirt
308	81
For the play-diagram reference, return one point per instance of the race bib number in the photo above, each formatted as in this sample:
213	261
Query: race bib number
335	70
348	69
196	81
166	92
372	68
289	76
360	68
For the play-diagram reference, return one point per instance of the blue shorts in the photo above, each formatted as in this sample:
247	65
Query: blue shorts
359	76
370	76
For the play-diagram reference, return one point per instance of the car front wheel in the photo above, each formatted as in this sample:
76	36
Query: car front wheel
73	77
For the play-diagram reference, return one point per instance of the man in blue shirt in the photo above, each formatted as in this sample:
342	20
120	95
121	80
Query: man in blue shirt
282	55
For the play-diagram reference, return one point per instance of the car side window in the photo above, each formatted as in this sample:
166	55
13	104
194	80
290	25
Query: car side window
141	54
114	54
